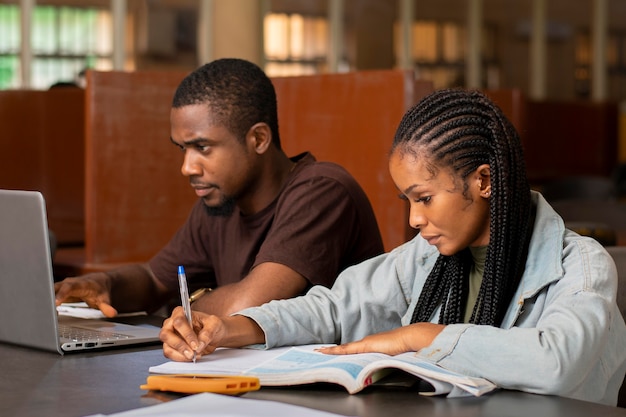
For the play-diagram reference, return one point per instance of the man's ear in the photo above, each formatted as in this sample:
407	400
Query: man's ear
259	137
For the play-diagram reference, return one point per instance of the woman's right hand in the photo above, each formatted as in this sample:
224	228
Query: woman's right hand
206	333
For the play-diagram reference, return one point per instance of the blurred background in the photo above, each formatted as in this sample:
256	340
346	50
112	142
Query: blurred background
555	49
557	68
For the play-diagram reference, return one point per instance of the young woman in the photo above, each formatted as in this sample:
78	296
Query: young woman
493	285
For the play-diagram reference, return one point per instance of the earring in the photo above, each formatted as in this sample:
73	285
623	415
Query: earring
488	193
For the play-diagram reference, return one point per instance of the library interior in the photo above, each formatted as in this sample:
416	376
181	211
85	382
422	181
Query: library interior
86	88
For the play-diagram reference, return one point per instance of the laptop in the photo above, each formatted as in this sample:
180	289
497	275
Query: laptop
27	306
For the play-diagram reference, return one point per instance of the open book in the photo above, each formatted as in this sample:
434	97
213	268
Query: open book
303	365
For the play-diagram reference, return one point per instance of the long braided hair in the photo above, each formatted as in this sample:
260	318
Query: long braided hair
462	130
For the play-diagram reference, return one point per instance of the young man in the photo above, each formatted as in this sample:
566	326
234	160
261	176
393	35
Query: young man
265	226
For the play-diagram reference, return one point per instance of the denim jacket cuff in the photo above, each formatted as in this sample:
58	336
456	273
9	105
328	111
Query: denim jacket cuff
444	343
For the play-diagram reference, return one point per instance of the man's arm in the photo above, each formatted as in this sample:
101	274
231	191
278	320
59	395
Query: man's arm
125	289
267	281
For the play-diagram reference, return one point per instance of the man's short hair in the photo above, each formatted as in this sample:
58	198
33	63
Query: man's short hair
238	93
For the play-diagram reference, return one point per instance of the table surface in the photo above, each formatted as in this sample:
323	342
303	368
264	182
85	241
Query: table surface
36	383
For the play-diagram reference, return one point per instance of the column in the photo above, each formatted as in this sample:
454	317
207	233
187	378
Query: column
473	72
406	12
26	50
335	35
118	13
599	36
264	10
237	28
538	63
205	32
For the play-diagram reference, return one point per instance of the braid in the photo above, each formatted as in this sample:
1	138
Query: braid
463	130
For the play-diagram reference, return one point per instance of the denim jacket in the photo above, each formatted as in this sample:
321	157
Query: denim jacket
563	333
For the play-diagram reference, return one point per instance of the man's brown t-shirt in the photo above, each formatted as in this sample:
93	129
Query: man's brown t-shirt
319	224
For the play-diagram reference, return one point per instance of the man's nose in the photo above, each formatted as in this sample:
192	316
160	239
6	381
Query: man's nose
190	166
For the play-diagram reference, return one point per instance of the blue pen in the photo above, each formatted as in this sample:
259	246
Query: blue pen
184	298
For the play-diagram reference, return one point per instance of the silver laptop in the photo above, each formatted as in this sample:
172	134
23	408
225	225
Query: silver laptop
27	307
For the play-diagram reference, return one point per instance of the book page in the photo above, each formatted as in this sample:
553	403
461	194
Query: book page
302	366
358	371
224	361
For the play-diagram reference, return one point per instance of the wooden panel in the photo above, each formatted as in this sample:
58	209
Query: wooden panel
351	119
569	138
42	148
513	104
136	197
21	165
562	138
64	163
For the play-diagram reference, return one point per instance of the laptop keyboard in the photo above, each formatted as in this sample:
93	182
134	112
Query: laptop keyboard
78	334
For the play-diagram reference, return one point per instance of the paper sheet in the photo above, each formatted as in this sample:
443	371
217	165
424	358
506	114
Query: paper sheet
83	311
80	310
207	404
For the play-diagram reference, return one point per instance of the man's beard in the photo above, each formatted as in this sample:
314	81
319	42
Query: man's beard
224	209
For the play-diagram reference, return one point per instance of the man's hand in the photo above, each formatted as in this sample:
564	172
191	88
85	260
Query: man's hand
207	333
409	338
94	289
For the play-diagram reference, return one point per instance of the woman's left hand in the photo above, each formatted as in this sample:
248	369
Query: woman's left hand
409	338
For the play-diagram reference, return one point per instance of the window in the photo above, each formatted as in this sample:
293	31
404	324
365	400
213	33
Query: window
616	63
294	44
64	41
9	46
439	50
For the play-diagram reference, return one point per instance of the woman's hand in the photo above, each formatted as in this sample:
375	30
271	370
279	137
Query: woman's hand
409	338
206	333
180	339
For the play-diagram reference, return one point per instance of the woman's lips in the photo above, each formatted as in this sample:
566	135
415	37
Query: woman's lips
432	240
